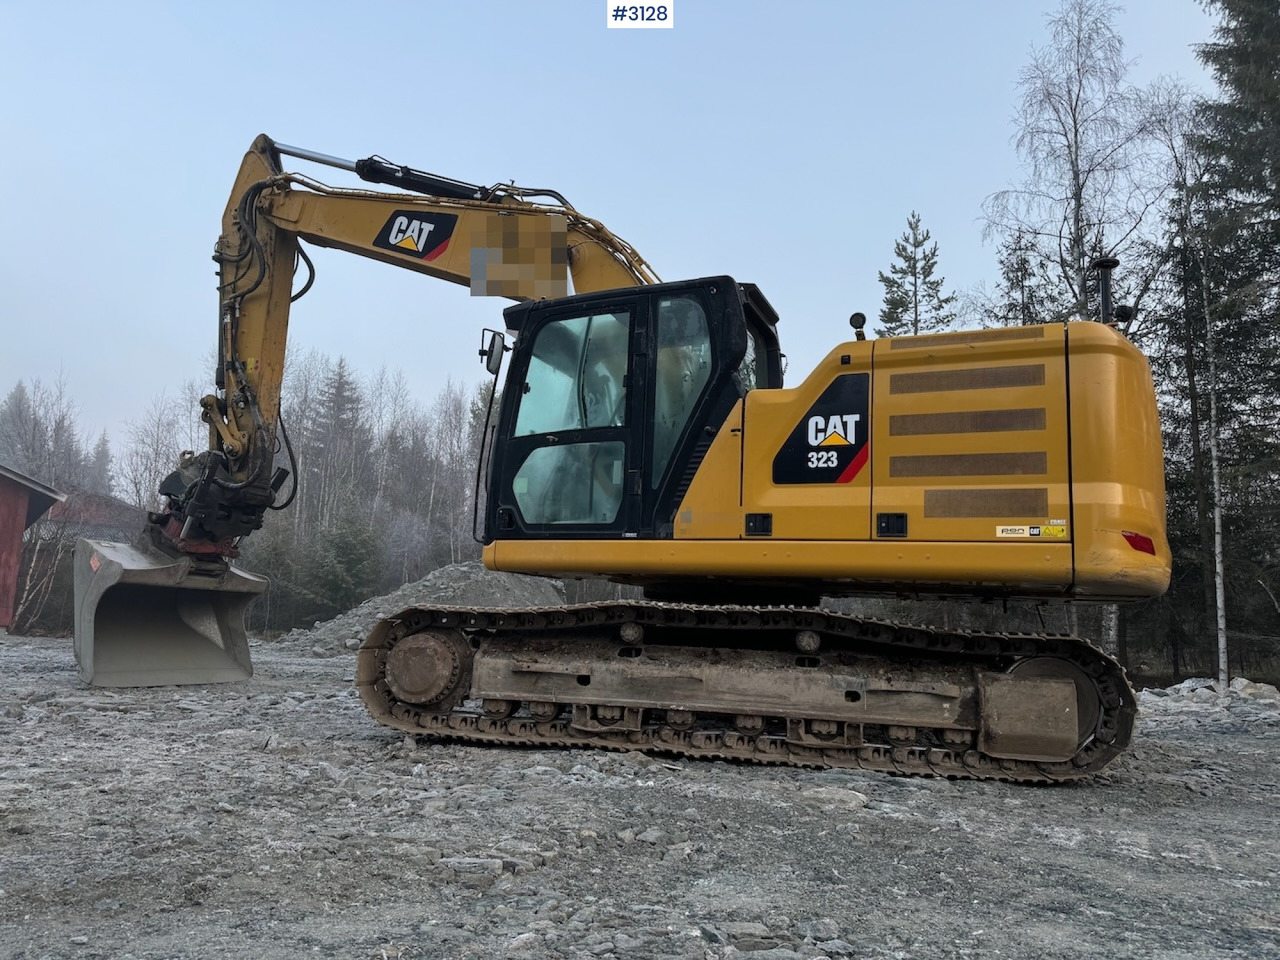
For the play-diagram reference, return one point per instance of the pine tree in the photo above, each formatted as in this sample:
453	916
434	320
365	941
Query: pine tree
913	299
98	478
1240	139
1024	295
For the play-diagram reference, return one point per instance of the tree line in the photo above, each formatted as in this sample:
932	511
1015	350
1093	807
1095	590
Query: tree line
40	437
383	493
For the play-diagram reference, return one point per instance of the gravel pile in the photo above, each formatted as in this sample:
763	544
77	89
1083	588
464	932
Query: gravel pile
1204	690
1247	705
460	584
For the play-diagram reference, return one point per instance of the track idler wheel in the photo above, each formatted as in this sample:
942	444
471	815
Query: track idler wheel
1086	689
430	669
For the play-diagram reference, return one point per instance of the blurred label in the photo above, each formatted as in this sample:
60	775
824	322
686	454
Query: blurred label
524	258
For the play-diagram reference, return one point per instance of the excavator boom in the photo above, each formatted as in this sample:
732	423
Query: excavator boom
169	607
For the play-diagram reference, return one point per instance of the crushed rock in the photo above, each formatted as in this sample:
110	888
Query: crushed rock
1196	688
459	584
170	822
1242	696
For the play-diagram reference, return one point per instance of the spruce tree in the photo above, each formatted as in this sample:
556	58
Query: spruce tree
1237	268
1240	188
1241	139
1215	353
98	479
1239	197
913	299
1025	292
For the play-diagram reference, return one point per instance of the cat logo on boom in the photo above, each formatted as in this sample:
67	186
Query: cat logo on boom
423	236
829	444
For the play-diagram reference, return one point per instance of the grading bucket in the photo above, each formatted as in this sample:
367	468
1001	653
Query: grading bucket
144	618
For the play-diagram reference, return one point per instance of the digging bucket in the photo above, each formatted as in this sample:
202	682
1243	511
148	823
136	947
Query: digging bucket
146	619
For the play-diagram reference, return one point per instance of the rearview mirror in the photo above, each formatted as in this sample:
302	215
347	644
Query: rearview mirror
491	352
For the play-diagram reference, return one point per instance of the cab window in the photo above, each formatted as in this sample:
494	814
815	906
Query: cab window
683	368
577	375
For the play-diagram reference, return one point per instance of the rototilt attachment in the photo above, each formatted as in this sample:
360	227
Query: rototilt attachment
145	619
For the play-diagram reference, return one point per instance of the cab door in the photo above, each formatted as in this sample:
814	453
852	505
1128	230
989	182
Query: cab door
610	404
568	446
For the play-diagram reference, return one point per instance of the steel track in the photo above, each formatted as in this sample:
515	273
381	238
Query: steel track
712	736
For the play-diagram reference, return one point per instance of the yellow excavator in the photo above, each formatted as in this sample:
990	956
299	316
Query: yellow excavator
644	435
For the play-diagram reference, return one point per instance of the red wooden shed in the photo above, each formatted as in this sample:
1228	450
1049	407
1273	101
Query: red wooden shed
22	502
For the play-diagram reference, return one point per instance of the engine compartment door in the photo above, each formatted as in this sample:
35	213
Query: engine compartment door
971	436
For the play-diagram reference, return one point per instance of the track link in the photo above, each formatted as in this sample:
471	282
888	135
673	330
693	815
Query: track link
655	728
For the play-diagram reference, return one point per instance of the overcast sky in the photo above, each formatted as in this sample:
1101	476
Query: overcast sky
783	143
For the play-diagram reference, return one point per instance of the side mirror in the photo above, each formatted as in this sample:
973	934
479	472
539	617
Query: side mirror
492	351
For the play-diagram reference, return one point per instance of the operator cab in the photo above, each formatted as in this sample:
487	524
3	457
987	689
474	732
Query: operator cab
612	399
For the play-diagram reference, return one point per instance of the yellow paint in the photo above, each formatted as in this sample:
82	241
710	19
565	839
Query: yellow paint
836	511
1033	569
955	357
1117	465
712	506
1106	480
350	221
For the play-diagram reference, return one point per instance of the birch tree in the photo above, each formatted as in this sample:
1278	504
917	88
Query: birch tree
151	452
1083	133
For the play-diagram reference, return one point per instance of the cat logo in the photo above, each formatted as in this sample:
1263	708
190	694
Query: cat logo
829	444
423	236
829	431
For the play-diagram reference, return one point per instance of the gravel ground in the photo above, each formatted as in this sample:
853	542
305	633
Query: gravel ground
273	818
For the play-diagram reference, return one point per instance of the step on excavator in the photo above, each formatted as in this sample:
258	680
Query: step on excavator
644	435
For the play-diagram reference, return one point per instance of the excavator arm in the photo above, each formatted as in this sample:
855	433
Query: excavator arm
502	240
170	607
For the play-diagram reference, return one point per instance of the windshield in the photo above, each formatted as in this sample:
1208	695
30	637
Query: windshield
577	375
